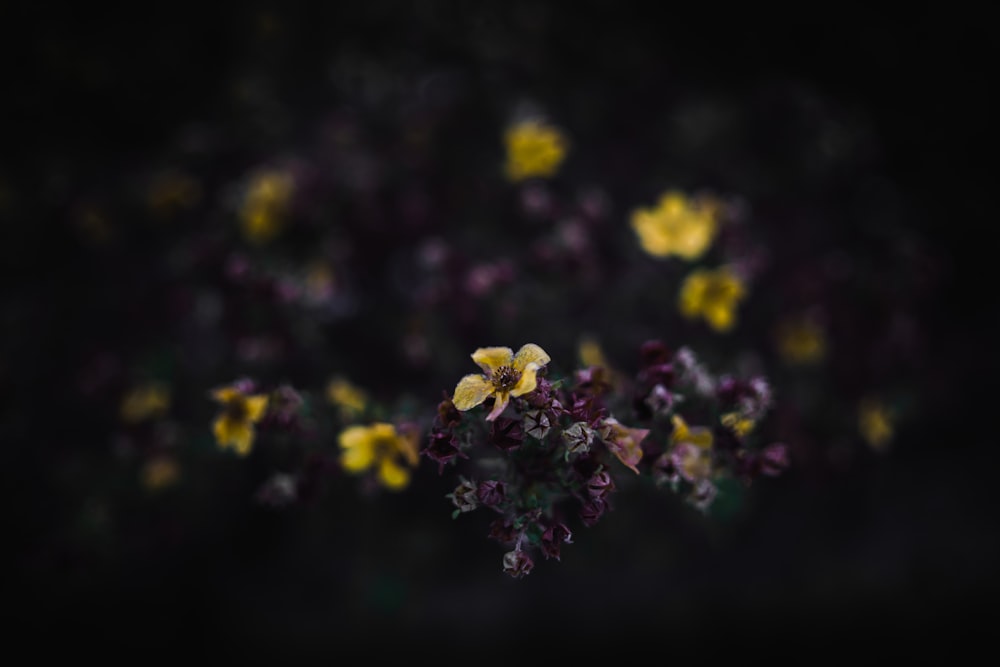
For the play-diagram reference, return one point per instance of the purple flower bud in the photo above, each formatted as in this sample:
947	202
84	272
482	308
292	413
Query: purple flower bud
442	447
506	434
502	530
553	537
593	510
517	564
491	493
601	484
774	459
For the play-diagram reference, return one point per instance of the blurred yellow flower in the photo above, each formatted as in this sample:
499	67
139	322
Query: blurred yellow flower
700	436
265	205
172	192
713	295
533	149
234	425
350	399
147	401
737	423
506	374
875	422
677	226
383	447
159	473
591	354
800	341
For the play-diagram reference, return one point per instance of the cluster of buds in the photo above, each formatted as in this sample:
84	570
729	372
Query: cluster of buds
555	454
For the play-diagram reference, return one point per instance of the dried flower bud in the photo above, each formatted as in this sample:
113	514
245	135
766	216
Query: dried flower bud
279	490
536	424
703	494
578	438
465	497
517	564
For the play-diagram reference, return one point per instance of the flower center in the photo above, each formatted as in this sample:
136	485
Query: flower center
236	410
505	378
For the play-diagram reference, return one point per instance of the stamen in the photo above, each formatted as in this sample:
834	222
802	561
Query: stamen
505	378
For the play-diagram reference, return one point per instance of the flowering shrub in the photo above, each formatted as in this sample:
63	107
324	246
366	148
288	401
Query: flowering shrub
296	295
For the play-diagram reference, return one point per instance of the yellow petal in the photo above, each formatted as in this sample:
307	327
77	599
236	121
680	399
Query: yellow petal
530	354
527	381
492	358
358	447
255	407
392	475
701	437
499	403
243	438
226	394
222	428
692	295
409	446
721	317
471	391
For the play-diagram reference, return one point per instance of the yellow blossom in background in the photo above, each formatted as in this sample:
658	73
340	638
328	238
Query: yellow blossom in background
350	399
875	422
591	354
737	423
677	226
172	192
234	427
506	374
713	295
698	436
533	149
382	447
159	473
265	205
147	401
800	341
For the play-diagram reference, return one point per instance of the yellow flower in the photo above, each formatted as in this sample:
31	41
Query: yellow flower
506	374
148	401
383	447
800	341
591	353
875	423
234	425
265	206
737	423
713	295
350	399
533	149
172	192
676	226
698	436
159	473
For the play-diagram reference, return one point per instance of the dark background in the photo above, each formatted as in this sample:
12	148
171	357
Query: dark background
897	552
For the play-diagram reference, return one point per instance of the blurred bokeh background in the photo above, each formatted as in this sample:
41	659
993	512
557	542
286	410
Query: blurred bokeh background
848	139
